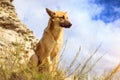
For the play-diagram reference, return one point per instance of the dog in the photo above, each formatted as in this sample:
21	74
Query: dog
49	46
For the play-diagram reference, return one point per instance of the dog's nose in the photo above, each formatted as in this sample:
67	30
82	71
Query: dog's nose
70	24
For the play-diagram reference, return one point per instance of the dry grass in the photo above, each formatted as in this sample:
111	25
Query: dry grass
12	69
113	72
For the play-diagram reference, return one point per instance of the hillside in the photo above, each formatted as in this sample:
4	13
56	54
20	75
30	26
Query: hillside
14	35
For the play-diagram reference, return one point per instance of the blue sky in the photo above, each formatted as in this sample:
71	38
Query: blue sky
93	22
110	12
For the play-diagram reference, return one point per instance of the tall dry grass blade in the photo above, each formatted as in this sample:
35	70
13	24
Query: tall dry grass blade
74	59
76	56
113	72
74	70
4	73
86	62
60	58
72	63
93	64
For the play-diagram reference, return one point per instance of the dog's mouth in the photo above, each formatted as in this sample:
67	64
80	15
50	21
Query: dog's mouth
65	24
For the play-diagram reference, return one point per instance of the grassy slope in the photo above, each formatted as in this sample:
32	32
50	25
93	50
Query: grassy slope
12	69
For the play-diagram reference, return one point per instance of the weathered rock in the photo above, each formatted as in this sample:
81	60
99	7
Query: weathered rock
15	37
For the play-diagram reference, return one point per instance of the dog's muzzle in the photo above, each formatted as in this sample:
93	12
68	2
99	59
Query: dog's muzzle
65	24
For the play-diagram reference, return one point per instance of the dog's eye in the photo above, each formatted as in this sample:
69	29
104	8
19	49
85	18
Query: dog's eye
62	17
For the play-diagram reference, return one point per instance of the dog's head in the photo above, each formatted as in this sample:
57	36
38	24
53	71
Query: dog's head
59	18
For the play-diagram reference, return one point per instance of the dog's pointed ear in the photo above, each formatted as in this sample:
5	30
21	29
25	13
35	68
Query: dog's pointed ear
50	13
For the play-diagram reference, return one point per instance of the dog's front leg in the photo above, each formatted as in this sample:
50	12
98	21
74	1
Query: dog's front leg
49	64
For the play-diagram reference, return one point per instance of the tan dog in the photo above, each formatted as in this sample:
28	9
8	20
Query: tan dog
49	46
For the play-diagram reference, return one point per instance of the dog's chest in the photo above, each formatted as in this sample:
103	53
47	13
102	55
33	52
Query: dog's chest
54	37
58	42
58	34
57	46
